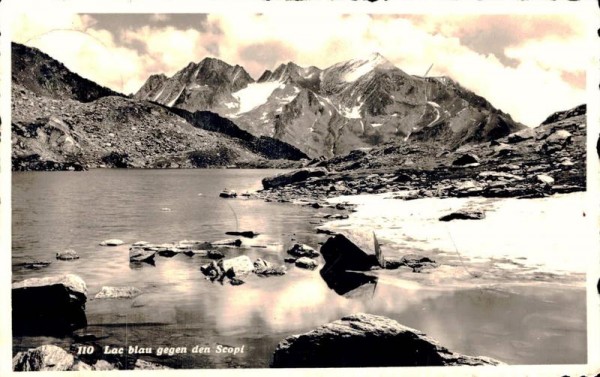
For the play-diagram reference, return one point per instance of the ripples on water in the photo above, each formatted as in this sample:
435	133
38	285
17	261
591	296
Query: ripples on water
56	211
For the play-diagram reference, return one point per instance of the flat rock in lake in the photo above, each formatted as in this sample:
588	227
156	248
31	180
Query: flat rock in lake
141	255
67	255
247	234
302	250
464	215
227	242
111	242
307	263
215	254
236	266
117	292
366	340
265	268
36	264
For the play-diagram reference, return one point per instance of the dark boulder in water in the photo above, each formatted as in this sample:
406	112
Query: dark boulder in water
50	305
341	254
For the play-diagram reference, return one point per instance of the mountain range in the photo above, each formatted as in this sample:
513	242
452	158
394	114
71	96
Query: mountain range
61	120
212	113
328	112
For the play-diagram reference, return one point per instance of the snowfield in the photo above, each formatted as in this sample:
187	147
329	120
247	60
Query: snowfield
255	94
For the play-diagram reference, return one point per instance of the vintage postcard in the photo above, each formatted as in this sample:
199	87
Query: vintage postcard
199	185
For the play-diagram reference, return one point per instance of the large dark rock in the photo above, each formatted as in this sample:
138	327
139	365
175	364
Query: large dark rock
341	254
294	176
366	340
50	305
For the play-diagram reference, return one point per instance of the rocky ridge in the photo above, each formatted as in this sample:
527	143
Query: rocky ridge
352	104
548	159
45	76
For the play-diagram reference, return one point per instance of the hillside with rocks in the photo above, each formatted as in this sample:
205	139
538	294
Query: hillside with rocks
359	103
45	76
533	162
61	121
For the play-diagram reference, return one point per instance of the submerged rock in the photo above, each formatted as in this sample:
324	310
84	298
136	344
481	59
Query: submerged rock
264	268
118	292
67	255
247	234
464	215
36	264
307	263
301	250
141	255
111	242
49	305
227	242
215	254
366	340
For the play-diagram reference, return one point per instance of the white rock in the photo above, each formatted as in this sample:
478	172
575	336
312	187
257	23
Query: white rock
111	242
545	179
117	292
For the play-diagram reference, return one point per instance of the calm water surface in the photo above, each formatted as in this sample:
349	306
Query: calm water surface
54	211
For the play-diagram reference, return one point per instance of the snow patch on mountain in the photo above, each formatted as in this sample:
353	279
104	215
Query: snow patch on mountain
170	104
255	94
361	67
353	113
159	93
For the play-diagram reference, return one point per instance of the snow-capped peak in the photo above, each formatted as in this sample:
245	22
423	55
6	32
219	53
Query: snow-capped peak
356	68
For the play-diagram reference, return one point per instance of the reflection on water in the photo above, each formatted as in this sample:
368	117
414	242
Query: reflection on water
343	282
179	307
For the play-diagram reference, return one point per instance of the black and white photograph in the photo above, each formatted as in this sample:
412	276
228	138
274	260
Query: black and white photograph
295	186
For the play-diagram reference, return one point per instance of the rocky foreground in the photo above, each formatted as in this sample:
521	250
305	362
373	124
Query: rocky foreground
366	340
537	162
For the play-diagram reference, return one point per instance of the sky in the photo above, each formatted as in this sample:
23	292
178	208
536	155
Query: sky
526	65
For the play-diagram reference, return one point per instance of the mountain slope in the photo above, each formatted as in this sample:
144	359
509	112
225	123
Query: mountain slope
45	76
536	162
353	104
54	127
